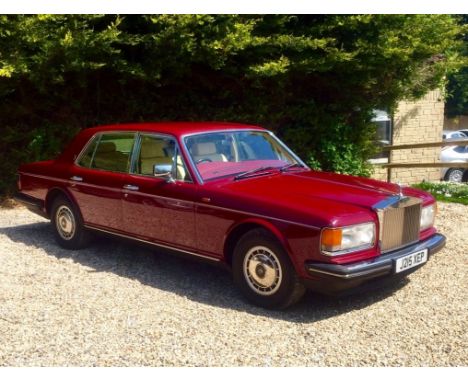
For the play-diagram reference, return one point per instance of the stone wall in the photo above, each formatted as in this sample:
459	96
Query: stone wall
416	122
380	173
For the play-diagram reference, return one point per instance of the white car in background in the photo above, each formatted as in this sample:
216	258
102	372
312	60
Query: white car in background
452	135
454	154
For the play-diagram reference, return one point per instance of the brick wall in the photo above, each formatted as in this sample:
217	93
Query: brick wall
416	122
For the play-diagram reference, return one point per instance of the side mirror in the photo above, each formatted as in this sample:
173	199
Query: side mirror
163	171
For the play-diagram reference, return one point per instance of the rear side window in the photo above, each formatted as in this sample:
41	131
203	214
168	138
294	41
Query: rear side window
110	151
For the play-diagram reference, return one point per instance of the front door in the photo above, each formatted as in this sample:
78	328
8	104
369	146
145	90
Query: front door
155	208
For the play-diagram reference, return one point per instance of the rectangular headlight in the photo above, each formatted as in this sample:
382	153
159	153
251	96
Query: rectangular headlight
427	216
338	241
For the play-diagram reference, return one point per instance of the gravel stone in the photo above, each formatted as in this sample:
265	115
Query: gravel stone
121	304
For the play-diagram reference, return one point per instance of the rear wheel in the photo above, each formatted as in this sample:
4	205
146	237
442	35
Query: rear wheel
263	272
454	175
68	226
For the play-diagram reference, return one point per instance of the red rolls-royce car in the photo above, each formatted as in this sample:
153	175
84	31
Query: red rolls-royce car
236	195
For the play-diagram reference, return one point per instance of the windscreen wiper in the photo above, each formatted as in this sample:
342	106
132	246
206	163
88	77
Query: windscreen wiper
291	165
255	171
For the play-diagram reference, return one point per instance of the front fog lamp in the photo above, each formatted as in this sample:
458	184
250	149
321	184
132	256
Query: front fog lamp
337	241
427	216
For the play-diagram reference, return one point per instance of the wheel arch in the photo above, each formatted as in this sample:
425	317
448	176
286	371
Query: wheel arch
53	193
241	228
465	175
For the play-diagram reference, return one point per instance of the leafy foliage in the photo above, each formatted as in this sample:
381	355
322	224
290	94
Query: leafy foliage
313	79
457	83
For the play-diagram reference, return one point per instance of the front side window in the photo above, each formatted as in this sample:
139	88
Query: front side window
228	153
109	151
160	151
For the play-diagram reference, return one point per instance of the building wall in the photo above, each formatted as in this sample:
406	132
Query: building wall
380	173
416	122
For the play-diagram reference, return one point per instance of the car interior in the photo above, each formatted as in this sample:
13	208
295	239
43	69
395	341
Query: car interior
157	151
107	157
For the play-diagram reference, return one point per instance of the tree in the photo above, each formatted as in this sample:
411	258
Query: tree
457	84
313	79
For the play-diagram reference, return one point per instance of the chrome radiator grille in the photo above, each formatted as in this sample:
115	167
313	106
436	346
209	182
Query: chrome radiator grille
399	224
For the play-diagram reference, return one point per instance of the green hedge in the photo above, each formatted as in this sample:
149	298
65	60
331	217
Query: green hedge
313	79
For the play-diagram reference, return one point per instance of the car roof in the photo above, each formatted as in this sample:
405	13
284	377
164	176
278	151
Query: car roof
174	128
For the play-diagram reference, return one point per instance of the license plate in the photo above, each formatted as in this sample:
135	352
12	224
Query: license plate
410	261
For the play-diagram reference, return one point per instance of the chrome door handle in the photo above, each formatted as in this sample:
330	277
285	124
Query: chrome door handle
76	178
130	187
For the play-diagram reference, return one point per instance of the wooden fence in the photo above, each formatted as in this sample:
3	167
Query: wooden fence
389	165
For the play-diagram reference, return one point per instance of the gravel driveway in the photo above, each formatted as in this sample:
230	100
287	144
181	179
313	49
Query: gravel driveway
120	304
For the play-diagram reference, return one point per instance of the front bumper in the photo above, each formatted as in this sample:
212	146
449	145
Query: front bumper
349	278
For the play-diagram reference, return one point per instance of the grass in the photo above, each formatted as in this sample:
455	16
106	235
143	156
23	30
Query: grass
446	191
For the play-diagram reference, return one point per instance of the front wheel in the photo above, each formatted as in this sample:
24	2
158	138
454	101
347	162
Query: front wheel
68	226
263	272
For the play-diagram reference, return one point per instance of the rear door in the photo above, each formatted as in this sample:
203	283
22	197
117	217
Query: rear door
97	178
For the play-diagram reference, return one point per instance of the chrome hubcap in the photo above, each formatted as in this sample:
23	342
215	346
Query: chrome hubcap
262	270
65	222
456	176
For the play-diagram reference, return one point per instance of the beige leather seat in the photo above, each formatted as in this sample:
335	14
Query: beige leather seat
153	152
207	150
108	158
182	173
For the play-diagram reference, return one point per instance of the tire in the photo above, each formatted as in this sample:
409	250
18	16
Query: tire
263	271
67	224
454	175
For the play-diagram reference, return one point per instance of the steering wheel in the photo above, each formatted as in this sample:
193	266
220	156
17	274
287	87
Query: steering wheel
203	160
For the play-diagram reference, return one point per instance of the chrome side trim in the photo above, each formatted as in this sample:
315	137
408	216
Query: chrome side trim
195	203
152	243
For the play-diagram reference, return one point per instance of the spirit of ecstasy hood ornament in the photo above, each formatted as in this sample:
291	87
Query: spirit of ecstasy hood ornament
400	191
